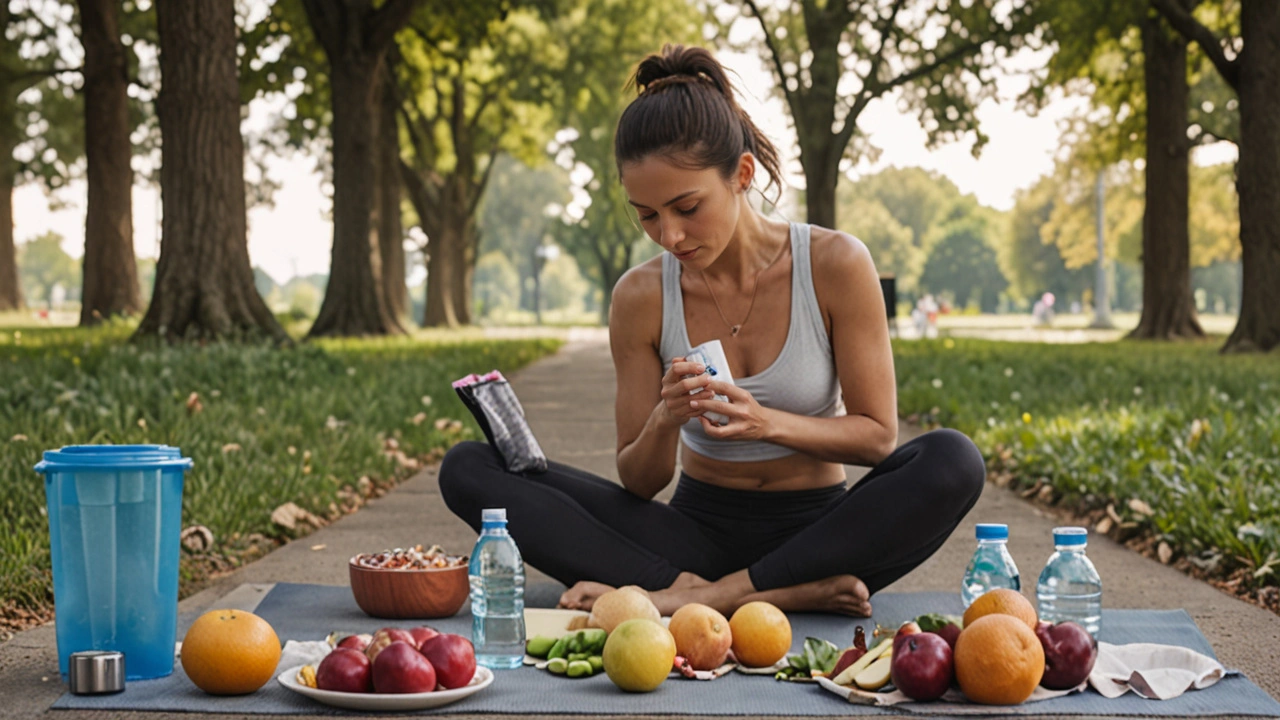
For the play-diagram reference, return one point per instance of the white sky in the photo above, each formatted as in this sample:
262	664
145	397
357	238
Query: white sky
294	237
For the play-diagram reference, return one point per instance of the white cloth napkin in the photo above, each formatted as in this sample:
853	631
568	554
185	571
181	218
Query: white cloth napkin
1158	672
1152	671
296	653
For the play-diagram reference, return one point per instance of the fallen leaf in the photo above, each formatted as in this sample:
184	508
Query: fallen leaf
419	418
197	538
1140	507
1164	552
231	447
319	547
1104	526
193	403
19	438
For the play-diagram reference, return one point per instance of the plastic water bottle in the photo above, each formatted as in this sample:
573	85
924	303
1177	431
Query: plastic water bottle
1069	587
497	594
992	566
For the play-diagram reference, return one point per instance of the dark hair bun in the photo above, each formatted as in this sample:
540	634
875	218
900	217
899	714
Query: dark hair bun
677	63
686	109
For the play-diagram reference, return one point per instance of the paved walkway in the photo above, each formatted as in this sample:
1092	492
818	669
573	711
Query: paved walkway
569	400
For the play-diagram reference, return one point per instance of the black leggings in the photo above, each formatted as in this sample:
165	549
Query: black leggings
575	526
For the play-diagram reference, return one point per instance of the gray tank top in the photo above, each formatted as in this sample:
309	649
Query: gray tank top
802	380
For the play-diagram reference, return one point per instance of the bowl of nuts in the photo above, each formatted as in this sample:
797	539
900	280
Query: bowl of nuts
409	583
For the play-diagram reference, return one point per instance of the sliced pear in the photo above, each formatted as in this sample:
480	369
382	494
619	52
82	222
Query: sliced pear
876	675
846	676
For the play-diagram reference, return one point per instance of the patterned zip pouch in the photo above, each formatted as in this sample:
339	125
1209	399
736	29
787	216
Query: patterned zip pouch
498	412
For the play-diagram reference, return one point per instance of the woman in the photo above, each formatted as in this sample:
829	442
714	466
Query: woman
761	511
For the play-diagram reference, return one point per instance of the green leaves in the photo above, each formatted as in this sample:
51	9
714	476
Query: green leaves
818	654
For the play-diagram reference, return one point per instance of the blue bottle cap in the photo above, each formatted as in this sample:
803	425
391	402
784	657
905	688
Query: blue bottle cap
992	531
493	516
1070	536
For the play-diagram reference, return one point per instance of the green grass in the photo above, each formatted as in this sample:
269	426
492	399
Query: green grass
1185	432
301	425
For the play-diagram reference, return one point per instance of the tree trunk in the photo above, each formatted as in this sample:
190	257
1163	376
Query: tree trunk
465	261
354	303
204	282
355	38
110	267
821	162
441	310
390	232
1168	306
10	287
1258	179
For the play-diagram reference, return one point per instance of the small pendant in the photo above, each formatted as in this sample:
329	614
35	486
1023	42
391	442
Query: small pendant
734	330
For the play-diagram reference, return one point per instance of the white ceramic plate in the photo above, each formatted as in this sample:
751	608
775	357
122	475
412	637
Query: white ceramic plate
378	701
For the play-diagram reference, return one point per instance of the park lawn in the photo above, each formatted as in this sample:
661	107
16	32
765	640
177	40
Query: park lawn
265	427
1179	441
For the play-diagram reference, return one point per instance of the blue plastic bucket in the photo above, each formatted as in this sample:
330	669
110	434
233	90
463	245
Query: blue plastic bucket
115	521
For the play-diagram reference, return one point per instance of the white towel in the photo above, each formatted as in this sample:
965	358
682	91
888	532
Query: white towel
1152	671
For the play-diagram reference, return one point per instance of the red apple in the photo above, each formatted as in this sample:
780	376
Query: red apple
1069	654
401	669
422	634
949	632
847	658
908	628
355	642
385	637
345	670
921	667
453	657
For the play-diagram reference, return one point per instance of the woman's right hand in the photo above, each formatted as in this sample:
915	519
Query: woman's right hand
676	386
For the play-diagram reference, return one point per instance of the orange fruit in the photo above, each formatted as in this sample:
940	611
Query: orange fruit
761	634
998	660
230	652
1005	602
702	635
638	655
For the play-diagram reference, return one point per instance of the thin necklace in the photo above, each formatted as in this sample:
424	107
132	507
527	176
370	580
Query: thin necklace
734	329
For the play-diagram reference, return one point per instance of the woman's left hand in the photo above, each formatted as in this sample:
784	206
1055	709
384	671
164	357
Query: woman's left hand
748	420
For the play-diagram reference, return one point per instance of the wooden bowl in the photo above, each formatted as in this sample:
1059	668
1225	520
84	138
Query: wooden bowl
399	594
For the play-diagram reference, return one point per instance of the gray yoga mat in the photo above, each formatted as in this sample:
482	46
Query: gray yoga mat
309	612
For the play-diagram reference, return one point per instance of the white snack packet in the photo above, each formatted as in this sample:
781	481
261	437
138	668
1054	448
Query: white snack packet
711	356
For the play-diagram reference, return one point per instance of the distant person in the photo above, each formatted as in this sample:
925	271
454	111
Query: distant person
761	510
1042	312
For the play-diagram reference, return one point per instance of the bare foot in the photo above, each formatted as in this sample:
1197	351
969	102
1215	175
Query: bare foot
842	594
583	595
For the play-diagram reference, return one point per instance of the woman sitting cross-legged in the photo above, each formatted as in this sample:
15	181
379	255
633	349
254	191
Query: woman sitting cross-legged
761	511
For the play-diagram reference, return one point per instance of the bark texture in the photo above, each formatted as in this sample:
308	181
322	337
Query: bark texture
355	38
110	269
10	287
1258	180
1168	306
390	230
204	281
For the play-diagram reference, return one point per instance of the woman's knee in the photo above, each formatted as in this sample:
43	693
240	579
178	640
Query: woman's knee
955	462
463	464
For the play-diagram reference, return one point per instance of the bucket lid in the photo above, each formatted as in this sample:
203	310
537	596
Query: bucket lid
74	458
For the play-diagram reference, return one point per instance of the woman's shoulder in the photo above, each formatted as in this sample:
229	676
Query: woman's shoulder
637	296
835	254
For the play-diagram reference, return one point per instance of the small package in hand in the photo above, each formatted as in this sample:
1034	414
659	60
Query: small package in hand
711	356
498	412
